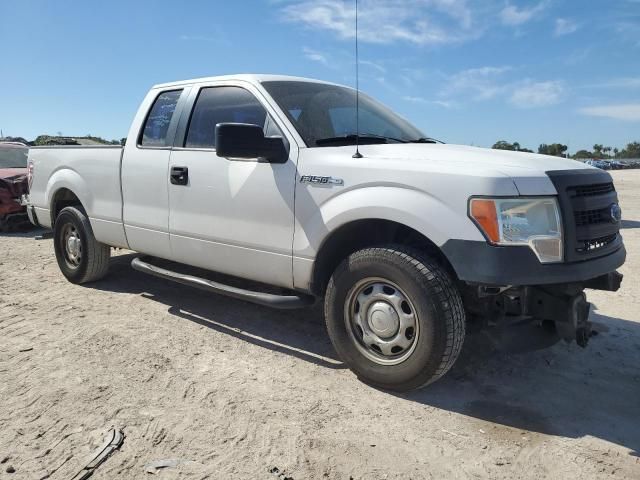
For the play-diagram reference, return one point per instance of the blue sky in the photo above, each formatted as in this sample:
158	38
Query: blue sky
463	71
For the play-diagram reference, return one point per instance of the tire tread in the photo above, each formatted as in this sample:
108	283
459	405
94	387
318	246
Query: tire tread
97	253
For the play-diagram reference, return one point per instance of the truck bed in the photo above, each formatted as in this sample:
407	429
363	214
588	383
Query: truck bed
92	173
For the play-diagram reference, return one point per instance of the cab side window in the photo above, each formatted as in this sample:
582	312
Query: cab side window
221	105
157	123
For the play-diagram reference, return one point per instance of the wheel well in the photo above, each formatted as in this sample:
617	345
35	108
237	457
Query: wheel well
61	199
361	234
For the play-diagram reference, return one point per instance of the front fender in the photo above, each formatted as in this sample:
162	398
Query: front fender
413	208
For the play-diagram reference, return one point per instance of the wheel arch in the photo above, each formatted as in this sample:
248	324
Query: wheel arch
63	197
363	233
66	187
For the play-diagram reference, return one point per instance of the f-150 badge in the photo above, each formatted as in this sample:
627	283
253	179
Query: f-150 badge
321	181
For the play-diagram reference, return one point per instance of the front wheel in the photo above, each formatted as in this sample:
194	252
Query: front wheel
395	317
80	256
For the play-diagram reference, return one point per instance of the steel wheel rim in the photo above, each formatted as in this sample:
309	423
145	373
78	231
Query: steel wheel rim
71	245
381	321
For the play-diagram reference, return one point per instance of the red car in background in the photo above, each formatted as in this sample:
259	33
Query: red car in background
13	184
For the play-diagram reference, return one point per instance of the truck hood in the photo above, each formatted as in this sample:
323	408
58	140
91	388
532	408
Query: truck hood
527	170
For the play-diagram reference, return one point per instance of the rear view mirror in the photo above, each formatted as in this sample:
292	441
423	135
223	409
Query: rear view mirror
244	140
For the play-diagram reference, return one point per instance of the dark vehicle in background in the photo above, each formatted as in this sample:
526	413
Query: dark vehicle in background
602	164
617	165
613	164
13	184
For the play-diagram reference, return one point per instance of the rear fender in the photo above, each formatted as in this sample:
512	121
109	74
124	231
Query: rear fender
72	181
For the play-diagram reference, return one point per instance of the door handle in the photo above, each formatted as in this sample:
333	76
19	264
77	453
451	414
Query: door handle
179	175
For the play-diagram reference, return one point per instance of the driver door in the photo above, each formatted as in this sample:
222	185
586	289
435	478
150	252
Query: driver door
233	216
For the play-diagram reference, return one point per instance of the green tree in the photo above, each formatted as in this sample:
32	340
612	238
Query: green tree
503	145
597	150
615	152
514	147
15	139
632	151
583	154
49	140
554	149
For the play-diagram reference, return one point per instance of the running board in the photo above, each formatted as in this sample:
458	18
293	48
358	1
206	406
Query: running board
266	299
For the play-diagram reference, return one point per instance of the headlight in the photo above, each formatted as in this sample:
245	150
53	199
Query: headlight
521	221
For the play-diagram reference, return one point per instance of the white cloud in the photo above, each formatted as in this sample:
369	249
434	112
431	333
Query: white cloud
373	65
564	26
419	22
578	56
489	83
411	76
626	82
424	101
411	99
629	82
629	112
537	94
514	16
480	83
315	56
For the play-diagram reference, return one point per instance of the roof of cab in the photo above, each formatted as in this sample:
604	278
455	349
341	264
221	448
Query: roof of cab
251	78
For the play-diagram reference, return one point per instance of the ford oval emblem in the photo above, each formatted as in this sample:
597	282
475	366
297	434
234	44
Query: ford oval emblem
616	213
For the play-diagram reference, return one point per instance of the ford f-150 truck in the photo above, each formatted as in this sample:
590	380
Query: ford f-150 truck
409	242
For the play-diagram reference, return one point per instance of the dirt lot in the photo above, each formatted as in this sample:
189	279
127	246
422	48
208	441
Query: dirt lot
235	391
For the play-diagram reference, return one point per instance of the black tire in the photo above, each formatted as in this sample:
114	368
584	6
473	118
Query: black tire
92	263
439	316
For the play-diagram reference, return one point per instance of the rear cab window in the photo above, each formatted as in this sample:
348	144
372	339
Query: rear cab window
156	125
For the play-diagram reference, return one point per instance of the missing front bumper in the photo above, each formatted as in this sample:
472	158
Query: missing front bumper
570	313
545	311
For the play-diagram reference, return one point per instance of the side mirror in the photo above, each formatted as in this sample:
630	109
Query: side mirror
244	140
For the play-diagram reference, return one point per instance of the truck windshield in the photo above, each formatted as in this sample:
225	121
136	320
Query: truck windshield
13	156
325	115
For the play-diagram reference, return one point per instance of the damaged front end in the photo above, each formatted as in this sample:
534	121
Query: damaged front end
533	317
12	213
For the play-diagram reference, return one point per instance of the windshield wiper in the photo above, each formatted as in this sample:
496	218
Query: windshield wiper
424	140
363	139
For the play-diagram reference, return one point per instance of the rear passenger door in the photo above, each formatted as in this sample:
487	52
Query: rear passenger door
145	165
233	216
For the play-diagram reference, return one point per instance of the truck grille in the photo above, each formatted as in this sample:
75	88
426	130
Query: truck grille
592	217
585	198
591	190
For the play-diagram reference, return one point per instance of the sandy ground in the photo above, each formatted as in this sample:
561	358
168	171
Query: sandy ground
236	391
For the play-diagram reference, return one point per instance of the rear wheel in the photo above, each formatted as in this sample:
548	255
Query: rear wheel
395	317
80	256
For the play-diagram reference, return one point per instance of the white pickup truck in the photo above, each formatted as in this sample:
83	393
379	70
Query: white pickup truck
409	243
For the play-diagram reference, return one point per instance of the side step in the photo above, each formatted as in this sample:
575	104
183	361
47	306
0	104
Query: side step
267	299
